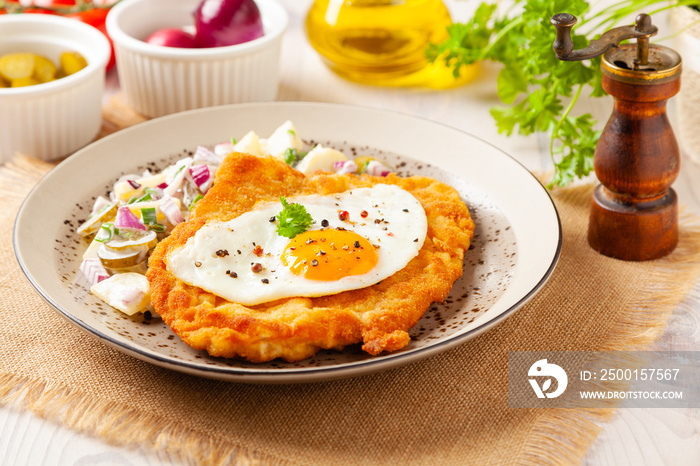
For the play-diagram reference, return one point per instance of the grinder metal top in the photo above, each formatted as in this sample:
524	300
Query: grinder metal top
642	63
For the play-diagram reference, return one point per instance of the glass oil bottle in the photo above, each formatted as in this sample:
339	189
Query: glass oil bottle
376	41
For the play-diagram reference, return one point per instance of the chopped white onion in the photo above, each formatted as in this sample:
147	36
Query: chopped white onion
223	149
346	166
100	203
203	154
375	168
171	211
175	180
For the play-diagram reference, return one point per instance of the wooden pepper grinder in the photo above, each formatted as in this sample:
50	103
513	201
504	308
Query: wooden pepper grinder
634	211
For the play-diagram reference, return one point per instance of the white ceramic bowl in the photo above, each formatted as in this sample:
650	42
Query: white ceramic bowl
159	80
53	119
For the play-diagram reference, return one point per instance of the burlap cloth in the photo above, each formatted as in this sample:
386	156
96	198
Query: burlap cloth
448	409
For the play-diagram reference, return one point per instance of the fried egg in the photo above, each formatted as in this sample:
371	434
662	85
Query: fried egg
357	239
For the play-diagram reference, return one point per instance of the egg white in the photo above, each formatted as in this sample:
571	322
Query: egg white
396	222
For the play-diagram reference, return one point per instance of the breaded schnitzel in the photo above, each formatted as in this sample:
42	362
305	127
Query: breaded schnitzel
295	328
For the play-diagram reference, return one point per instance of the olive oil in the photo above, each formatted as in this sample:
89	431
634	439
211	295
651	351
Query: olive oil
376	41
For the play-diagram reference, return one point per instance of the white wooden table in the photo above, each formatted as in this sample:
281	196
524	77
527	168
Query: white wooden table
633	437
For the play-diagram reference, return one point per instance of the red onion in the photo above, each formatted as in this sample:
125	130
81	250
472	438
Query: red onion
93	270
227	22
346	166
375	168
201	177
172	37
126	220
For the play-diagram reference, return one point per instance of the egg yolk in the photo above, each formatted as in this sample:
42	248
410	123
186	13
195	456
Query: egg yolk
329	254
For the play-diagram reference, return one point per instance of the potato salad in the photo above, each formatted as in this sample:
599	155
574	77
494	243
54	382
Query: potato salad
142	209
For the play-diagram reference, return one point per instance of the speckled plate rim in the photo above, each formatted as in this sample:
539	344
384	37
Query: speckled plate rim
502	178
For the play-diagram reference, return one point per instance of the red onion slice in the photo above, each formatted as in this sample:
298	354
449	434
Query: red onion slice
126	220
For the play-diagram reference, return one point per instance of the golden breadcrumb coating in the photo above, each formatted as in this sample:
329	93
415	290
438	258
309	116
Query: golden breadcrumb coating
293	329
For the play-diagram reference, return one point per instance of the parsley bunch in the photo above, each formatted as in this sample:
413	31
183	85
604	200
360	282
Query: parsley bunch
533	83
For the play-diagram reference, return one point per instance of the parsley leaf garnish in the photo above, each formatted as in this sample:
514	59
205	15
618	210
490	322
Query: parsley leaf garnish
293	219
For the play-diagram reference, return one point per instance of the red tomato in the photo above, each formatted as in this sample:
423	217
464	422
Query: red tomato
93	17
39	11
44	4
96	18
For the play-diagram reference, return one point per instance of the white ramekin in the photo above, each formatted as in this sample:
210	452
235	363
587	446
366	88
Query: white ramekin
159	80
51	120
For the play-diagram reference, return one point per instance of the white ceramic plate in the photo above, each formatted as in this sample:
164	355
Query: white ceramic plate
516	245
